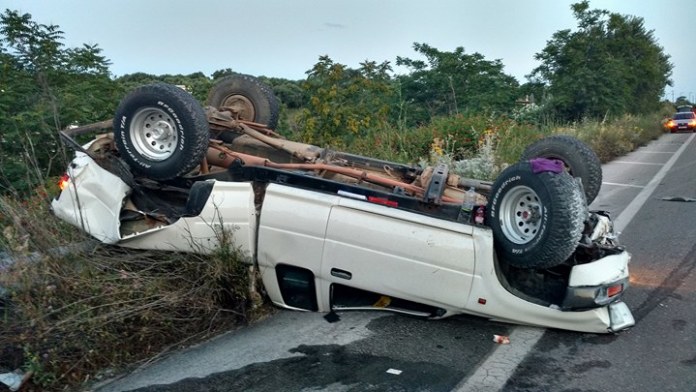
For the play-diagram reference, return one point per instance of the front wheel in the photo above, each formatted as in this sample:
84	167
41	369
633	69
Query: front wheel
536	218
161	131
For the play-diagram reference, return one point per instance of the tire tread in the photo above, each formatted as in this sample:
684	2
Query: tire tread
582	161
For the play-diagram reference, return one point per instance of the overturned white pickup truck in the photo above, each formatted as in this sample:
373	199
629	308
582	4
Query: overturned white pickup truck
331	231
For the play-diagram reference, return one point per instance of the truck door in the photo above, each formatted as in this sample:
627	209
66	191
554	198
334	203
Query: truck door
398	253
291	235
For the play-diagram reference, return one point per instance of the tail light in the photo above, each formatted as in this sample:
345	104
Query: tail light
614	290
587	297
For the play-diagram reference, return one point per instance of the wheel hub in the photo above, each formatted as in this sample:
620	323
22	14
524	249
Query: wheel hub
529	214
521	217
161	131
240	106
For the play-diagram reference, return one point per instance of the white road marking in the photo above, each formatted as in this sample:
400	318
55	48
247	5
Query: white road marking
502	362
622	221
656	152
627	185
638	163
494	372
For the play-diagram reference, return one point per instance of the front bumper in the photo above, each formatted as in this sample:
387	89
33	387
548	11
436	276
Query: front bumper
682	127
92	199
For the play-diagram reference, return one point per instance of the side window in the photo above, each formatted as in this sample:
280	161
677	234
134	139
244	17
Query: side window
297	287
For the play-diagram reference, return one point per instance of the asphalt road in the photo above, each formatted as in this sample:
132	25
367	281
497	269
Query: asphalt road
293	351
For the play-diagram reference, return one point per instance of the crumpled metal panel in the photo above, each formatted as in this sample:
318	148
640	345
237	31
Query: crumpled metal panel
96	207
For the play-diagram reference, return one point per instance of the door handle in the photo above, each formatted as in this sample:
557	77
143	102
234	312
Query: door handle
339	273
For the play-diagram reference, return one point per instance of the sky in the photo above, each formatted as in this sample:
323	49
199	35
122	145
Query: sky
284	38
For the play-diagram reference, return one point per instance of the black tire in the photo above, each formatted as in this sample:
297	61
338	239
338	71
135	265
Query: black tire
536	218
578	158
251	99
161	131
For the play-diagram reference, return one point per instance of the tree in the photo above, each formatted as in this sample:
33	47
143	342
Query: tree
45	87
682	101
453	82
289	92
197	84
345	103
610	65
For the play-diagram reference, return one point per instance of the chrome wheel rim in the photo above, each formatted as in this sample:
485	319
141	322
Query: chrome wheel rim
154	134
521	215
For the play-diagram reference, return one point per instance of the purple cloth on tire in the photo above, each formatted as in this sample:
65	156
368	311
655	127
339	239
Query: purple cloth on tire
546	165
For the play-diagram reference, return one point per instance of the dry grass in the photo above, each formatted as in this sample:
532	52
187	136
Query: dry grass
68	318
609	139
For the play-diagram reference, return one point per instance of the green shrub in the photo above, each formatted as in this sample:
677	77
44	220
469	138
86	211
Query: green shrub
513	139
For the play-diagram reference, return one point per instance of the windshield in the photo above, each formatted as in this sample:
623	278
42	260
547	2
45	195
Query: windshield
683	116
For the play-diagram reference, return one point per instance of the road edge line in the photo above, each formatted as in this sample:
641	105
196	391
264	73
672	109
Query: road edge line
622	221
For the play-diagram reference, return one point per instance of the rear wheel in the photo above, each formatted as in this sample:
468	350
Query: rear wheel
579	159
161	131
536	218
247	97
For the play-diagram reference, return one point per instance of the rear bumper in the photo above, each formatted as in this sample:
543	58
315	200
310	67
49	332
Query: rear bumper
598	283
620	317
492	298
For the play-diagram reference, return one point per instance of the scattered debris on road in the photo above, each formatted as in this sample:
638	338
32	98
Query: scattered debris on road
678	198
500	339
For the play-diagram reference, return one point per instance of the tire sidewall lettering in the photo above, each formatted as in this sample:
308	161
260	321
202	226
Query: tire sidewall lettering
506	186
179	124
127	145
125	123
503	189
188	124
559	222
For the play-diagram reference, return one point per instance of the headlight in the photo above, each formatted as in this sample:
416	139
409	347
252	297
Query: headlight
63	181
